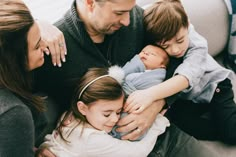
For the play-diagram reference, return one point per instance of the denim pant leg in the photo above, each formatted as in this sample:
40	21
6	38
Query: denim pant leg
176	143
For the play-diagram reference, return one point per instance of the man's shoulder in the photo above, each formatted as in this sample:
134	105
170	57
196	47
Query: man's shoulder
136	13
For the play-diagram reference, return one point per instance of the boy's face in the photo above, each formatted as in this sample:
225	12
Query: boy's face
178	45
153	57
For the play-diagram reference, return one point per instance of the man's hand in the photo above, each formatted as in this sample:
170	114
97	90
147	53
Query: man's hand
44	152
55	42
139	123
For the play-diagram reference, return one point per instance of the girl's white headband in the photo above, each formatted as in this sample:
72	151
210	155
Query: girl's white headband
115	72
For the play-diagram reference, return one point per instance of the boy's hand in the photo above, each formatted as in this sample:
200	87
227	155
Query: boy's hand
138	101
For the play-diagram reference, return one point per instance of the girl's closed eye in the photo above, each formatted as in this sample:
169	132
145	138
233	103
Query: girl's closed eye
107	114
118	113
180	41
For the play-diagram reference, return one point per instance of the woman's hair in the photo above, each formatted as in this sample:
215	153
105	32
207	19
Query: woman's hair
95	85
164	19
15	22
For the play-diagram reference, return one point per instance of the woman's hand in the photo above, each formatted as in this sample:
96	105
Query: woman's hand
138	123
55	42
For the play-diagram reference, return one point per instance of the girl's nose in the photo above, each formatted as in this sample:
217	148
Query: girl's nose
115	117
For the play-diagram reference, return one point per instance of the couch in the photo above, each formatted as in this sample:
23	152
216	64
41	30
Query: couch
210	18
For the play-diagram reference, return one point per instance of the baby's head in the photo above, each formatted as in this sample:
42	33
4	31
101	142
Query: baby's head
99	99
154	57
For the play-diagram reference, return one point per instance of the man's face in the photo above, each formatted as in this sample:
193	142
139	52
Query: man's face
109	16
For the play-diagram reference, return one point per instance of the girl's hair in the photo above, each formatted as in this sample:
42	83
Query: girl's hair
15	22
95	85
164	19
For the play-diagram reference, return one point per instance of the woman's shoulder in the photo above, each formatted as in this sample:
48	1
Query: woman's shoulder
9	101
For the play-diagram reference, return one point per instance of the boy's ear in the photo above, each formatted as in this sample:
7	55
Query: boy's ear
83	108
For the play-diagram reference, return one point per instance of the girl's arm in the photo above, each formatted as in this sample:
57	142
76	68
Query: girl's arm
106	146
95	143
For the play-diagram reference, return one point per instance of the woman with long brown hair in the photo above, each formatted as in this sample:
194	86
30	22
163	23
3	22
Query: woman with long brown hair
21	51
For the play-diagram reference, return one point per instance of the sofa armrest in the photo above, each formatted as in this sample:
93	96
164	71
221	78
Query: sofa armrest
210	18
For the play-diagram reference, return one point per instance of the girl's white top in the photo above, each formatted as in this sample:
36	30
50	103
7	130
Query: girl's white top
95	143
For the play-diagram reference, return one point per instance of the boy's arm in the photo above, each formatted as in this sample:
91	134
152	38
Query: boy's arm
141	99
187	75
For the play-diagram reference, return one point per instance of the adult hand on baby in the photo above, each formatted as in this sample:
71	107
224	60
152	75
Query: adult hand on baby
138	123
138	101
55	42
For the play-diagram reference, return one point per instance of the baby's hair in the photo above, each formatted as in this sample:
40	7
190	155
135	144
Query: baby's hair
89	91
164	19
163	54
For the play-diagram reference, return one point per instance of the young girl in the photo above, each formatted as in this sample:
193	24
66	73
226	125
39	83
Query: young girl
96	108
197	78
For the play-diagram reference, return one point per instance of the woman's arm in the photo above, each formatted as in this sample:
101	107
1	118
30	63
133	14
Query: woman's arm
55	41
17	132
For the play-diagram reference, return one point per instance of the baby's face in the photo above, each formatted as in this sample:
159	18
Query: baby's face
153	57
178	45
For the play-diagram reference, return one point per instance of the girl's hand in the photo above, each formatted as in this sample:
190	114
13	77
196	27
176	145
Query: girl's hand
138	101
55	42
44	152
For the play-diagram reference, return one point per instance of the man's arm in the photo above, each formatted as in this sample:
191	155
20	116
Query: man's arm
142	121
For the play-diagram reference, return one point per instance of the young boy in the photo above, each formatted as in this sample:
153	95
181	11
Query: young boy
198	77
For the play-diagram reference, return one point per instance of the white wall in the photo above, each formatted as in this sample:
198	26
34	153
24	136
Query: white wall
50	10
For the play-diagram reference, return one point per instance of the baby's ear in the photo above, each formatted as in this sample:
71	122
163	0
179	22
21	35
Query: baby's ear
82	108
